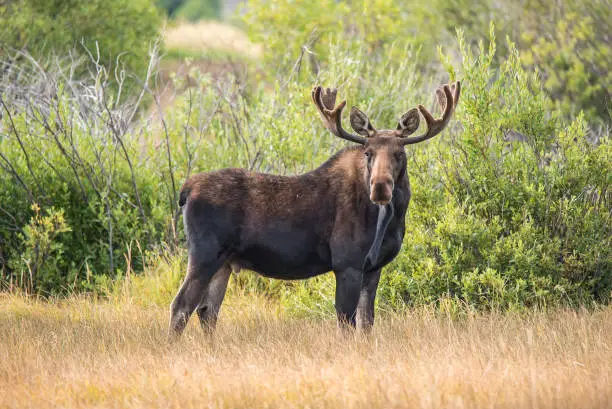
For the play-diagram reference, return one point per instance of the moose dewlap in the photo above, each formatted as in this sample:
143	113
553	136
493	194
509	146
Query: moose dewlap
347	216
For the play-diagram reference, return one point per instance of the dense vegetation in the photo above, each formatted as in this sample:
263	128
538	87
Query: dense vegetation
191	10
113	33
511	205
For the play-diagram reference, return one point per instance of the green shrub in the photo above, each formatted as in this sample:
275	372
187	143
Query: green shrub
36	268
118	34
502	198
65	146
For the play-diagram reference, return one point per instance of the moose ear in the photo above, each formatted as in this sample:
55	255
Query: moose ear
361	123
408	123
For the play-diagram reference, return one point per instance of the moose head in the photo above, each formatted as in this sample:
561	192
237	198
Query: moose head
383	150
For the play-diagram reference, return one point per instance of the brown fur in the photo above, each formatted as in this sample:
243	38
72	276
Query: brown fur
273	195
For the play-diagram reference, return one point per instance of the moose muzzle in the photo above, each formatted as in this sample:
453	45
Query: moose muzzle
381	191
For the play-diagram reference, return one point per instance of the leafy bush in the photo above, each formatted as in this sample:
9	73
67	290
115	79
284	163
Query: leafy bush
502	198
65	145
118	34
375	29
39	262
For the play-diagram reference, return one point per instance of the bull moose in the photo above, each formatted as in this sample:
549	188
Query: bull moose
346	216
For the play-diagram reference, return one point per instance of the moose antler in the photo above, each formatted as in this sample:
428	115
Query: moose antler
324	100
448	97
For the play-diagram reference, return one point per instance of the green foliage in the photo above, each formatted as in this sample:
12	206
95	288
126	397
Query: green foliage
501	199
37	267
285	26
65	148
510	205
194	10
378	29
156	285
191	10
170	5
118	34
566	42
570	46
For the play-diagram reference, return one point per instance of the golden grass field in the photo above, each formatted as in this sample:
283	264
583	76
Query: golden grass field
86	353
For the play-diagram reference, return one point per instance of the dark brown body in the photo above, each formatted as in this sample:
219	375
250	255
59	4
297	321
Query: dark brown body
293	227
347	216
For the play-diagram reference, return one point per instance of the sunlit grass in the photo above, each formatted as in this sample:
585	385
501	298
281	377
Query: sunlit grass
86	353
209	38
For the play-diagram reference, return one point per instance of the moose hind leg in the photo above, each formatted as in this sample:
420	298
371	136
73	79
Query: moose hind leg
200	270
348	286
208	309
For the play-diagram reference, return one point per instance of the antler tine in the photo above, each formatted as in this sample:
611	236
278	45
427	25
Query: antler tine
434	126
324	100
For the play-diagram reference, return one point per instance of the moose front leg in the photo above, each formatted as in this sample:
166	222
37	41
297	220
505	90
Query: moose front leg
348	287
367	296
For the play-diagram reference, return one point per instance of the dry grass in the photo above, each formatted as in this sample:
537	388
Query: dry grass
210	35
82	353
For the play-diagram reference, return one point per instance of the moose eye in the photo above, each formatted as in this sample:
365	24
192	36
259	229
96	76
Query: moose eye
368	154
399	155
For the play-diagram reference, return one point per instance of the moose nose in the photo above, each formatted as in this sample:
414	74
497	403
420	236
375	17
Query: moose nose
381	191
